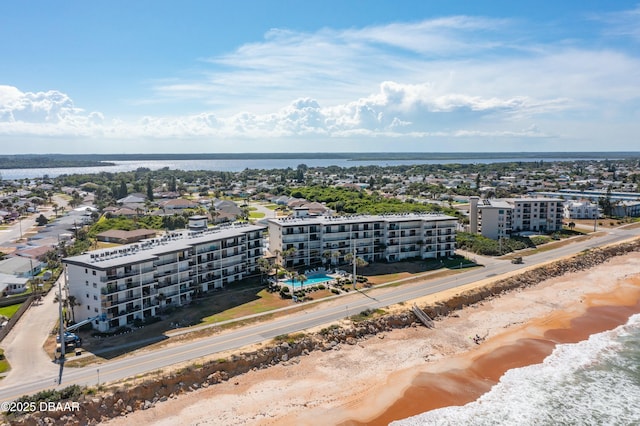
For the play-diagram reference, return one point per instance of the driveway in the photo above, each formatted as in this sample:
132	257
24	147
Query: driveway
23	346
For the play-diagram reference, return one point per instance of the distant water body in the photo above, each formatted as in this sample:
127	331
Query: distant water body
237	165
593	382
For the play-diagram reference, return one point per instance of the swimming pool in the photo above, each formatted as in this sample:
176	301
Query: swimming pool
316	279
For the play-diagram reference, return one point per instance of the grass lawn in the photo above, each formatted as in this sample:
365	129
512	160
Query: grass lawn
103	245
272	206
256	215
264	302
9	311
4	364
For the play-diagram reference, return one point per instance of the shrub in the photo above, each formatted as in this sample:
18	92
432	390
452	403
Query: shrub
285	295
321	287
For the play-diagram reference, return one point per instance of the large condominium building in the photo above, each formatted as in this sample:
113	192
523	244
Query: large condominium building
501	218
495	219
537	215
119	285
318	240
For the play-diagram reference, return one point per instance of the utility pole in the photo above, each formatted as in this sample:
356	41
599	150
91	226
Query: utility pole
62	342
355	254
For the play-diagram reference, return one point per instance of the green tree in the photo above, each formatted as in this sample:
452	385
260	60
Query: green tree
123	191
264	266
149	189
41	220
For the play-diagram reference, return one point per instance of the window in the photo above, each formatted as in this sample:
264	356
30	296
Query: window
87	295
88	308
94	272
95	310
95	297
86	271
86	283
95	285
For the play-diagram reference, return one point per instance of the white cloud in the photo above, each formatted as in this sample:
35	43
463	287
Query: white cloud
458	77
44	113
624	23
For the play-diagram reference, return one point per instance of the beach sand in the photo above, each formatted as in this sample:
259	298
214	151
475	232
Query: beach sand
405	372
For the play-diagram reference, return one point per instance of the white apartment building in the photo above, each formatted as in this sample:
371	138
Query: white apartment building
584	209
495	219
393	237
537	215
500	218
116	286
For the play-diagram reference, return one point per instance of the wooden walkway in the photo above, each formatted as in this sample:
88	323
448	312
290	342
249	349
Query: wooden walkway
422	316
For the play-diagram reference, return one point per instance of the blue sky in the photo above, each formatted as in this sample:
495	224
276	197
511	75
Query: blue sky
296	76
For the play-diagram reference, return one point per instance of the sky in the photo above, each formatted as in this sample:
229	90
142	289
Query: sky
160	76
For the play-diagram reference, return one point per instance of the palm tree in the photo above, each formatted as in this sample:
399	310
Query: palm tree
302	278
214	214
336	255
327	257
160	297
245	212
55	208
289	254
293	275
65	303
72	303
356	262
263	266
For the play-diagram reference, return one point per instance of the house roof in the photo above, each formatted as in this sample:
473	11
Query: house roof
179	203
15	265
132	198
7	279
125	212
33	252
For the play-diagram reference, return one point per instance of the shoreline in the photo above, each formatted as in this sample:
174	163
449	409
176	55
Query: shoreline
459	386
352	383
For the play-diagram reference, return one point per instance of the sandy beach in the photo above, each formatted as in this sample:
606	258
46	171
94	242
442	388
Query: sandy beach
409	371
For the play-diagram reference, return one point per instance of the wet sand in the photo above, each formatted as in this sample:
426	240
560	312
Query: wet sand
429	391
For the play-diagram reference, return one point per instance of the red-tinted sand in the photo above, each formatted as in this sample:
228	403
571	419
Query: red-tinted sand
429	391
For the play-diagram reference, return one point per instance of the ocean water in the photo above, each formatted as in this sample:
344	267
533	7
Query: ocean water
593	382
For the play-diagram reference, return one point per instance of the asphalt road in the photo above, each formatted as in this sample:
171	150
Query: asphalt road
343	307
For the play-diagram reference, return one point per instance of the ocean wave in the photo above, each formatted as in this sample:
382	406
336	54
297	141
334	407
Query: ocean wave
593	382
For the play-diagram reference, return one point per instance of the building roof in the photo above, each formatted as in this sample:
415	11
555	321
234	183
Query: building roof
150	249
179	203
34	252
16	265
495	204
133	198
330	220
8	279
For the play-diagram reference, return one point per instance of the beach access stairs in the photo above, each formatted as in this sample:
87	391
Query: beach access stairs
422	316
